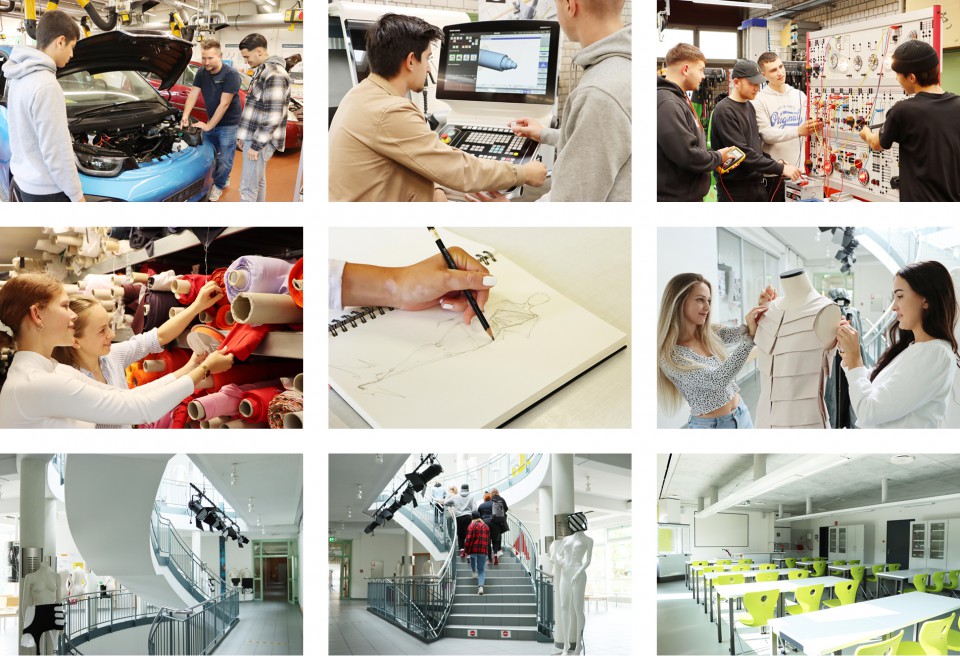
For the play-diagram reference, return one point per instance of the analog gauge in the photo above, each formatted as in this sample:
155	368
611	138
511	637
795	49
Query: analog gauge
913	34
834	60
857	63
844	65
872	62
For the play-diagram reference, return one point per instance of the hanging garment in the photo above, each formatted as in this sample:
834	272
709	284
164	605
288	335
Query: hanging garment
837	395
793	367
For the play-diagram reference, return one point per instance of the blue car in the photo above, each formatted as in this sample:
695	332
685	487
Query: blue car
127	139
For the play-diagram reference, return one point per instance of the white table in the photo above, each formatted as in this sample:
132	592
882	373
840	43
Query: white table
591	266
831	630
903	575
695	573
711	576
738	590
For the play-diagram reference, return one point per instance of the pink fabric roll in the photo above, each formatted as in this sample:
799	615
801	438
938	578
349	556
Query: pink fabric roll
226	402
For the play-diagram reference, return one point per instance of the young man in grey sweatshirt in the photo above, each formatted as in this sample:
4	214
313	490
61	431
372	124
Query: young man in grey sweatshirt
42	161
593	143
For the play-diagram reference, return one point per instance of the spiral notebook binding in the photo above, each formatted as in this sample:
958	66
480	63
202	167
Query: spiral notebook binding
355	318
486	257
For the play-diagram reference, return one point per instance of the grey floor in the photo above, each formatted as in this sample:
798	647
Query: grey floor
265	627
8	635
683	627
353	630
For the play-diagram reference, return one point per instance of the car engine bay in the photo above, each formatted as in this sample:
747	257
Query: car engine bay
142	143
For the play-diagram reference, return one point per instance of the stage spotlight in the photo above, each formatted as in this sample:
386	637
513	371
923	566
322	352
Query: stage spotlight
416	481
243	540
408	496
395	506
431	472
371	527
387	514
231	533
210	517
195	506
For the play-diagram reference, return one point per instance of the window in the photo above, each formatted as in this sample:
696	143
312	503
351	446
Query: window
672	37
718	45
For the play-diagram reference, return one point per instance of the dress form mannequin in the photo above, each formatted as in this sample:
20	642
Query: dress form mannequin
794	340
577	555
562	579
39	619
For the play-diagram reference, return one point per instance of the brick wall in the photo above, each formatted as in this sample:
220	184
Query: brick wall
568	78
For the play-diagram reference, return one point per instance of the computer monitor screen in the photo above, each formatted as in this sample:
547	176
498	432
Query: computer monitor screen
356	38
500	61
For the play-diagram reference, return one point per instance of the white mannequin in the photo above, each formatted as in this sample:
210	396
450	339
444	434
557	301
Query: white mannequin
560	588
797	291
576	555
41	587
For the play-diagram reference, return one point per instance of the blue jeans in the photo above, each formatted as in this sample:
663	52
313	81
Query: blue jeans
739	418
224	140
253	177
478	564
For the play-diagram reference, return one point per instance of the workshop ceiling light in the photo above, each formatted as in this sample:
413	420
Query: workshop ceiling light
359	492
734	3
349	512
234	476
249	504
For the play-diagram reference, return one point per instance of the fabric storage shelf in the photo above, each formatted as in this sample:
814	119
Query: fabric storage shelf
276	345
161	247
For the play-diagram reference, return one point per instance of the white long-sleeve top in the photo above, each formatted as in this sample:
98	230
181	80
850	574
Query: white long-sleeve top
335	283
41	393
779	116
911	392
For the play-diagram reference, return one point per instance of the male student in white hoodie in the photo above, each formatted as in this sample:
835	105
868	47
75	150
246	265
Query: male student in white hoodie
780	116
594	152
41	160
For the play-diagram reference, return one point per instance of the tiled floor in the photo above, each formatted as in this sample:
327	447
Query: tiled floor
265	627
353	630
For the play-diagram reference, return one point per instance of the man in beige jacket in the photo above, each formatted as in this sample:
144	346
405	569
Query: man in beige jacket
382	149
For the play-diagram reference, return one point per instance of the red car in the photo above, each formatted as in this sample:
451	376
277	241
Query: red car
177	95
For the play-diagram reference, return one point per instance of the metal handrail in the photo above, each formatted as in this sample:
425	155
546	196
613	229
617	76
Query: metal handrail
167	543
541	582
195	630
105	611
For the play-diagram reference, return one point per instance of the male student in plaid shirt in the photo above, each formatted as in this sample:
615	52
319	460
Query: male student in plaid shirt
478	547
263	125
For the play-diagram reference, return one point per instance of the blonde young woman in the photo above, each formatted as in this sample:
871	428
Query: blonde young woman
94	353
692	354
38	392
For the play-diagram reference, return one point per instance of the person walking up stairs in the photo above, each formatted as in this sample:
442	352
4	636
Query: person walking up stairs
477	547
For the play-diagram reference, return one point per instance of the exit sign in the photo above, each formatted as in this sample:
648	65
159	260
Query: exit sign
333	539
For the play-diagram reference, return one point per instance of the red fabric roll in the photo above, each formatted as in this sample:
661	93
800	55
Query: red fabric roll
179	416
243	339
259	400
242	374
217	277
220	323
296	273
196	282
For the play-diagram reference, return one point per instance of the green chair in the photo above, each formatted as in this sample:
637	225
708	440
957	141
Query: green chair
819	567
790	562
872	578
883	648
768	566
798	574
760	607
740	568
745	561
953	640
934	638
846	593
937	582
893	567
839	562
856	573
808	599
766	577
953	583
724	562
806	559
919	584
853	562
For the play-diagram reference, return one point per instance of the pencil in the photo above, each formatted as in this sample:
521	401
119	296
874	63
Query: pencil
466	292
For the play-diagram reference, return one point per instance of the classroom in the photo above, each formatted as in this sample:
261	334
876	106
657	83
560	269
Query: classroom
808	553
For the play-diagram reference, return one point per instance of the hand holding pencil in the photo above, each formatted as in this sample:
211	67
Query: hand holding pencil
471	300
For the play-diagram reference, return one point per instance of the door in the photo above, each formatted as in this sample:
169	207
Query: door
898	542
824	539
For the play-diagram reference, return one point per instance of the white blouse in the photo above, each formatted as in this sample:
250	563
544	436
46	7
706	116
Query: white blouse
41	393
911	392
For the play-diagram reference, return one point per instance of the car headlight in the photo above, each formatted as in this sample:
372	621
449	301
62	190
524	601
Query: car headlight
102	163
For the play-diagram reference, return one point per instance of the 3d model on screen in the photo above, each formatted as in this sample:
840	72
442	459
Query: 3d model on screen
496	61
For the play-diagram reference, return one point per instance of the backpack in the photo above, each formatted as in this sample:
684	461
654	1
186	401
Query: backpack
498	512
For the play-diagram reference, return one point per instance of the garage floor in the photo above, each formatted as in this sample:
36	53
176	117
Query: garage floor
281	177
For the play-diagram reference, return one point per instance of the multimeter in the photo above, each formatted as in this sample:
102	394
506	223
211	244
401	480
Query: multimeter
737	156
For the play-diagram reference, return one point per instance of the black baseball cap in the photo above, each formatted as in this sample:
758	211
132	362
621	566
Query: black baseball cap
747	70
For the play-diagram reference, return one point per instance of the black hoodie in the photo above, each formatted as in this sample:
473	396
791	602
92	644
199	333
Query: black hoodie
683	161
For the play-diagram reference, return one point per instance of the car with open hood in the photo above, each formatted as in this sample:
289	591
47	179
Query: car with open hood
177	95
127	139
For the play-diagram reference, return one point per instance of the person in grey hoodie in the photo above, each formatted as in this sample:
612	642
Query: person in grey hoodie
463	506
593	144
42	160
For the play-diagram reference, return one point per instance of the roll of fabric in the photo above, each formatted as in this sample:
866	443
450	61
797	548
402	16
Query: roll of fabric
159	306
162	281
217	277
293	420
131	296
253	273
241	423
241	374
224	319
256	309
167	361
282	404
242	340
256	403
216	422
226	401
95	281
295	282
196	282
298	382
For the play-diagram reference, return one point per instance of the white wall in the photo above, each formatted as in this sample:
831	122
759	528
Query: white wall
877	522
383	546
760	539
301	561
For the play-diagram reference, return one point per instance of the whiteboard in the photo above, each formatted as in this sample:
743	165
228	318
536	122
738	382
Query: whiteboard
722	530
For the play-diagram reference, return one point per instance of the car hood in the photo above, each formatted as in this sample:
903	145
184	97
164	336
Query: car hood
163	55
